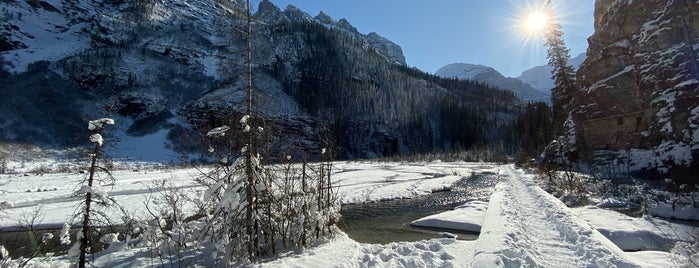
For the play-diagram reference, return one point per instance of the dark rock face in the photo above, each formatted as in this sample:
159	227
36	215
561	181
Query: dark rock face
392	50
639	86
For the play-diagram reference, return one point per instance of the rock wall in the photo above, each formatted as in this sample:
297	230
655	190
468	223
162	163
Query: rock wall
638	96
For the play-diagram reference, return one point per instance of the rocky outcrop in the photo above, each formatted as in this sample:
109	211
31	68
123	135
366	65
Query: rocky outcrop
392	51
638	95
271	14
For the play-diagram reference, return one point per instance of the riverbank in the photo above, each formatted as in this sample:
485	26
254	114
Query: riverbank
523	225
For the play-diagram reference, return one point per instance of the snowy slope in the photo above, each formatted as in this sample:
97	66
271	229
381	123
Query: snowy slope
539	77
67	59
463	71
42	31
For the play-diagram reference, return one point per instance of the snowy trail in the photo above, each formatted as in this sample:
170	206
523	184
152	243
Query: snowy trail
525	226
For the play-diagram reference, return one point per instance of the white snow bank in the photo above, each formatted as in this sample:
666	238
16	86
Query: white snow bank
345	252
669	211
371	182
613	202
626	232
467	217
525	226
653	259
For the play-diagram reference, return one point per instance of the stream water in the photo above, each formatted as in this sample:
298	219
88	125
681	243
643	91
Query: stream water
386	222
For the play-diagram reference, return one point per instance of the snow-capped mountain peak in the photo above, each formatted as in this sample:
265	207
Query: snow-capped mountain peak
463	71
488	75
539	77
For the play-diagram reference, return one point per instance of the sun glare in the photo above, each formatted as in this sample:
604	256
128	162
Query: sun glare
535	22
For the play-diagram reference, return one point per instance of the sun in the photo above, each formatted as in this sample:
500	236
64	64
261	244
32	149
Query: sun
535	22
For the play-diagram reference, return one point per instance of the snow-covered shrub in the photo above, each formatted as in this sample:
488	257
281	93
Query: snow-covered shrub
255	209
687	251
170	231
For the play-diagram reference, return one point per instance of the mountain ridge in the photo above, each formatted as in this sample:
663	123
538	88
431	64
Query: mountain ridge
172	70
490	76
539	77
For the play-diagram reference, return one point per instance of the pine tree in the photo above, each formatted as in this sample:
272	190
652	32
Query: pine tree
563	74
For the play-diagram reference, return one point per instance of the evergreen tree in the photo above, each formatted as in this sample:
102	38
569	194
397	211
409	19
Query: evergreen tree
534	130
563	74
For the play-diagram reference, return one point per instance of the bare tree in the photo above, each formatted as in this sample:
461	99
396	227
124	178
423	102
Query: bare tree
92	195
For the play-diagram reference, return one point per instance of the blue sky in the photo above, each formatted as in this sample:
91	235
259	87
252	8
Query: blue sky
434	33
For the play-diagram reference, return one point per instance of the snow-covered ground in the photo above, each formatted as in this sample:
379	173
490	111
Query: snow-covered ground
522	225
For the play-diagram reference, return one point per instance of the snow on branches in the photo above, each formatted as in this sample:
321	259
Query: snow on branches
218	131
99	123
97	138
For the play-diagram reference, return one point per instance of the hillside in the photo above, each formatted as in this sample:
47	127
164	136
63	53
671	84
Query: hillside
173	70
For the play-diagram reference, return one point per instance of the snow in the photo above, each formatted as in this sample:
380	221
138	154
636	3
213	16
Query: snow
679	154
686	212
218	131
654	27
99	123
626	43
633	234
97	138
467	217
686	83
603	83
522	225
525	226
371	182
49	35
462	71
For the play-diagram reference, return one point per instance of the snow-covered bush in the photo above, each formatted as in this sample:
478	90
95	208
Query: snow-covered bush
254	209
687	250
170	232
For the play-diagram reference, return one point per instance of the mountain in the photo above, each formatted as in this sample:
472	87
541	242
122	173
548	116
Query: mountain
539	77
493	78
172	70
638	100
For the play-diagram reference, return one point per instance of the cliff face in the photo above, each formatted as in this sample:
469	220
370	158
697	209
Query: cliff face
638	96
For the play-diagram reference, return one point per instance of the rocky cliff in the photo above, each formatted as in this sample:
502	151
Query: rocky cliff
638	97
